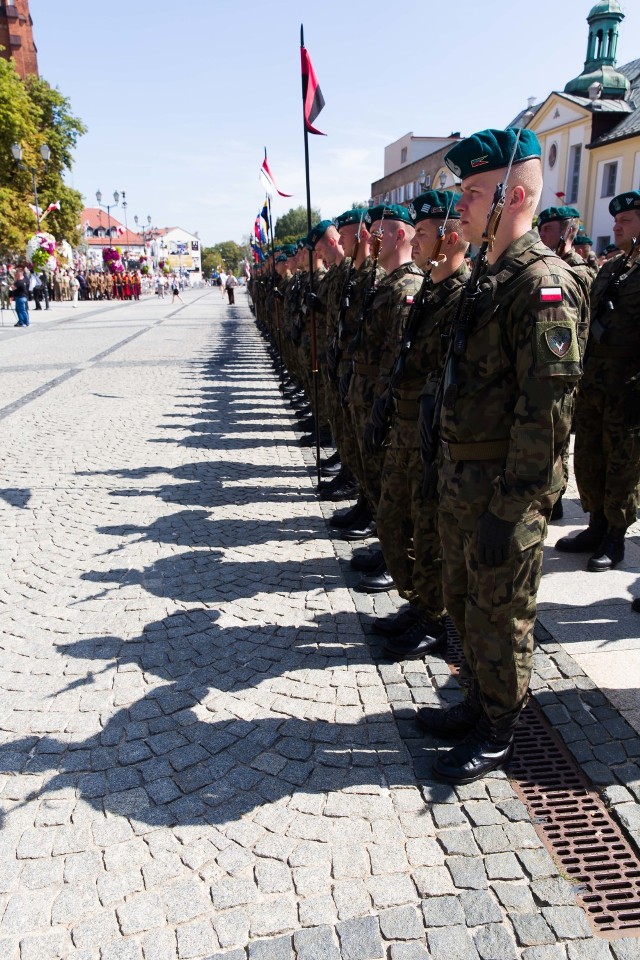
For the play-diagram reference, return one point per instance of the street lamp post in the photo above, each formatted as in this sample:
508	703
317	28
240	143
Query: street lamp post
107	207
45	153
145	234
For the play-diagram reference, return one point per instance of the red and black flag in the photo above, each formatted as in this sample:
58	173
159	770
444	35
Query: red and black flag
311	93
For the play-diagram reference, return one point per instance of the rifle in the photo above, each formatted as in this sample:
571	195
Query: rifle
448	386
411	328
334	353
562	249
367	301
609	296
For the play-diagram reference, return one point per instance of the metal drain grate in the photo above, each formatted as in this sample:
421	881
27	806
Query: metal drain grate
588	846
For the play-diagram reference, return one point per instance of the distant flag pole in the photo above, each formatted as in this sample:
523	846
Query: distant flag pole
268	180
276	302
312	104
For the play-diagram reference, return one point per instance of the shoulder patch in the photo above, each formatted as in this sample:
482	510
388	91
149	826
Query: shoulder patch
551	295
558	340
408	299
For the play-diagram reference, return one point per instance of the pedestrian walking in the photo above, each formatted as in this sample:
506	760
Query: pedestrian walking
20	293
229	284
175	291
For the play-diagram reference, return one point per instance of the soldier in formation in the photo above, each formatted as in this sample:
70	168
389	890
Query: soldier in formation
449	395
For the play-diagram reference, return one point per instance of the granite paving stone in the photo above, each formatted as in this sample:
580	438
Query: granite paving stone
202	752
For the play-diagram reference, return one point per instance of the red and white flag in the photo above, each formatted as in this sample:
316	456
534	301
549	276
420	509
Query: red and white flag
267	179
53	206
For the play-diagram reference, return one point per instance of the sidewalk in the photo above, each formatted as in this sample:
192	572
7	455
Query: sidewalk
200	755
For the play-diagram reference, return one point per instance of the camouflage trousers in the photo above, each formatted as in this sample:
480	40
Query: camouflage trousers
408	531
493	608
360	411
607	455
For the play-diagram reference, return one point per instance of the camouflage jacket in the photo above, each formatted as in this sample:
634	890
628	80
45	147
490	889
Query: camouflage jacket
586	271
515	385
613	348
423	364
389	311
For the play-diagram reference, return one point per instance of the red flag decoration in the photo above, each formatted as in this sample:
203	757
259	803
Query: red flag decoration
267	179
311	93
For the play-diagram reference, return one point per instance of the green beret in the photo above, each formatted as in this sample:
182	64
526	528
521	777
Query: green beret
302	243
349	216
433	205
610	247
625	201
387	211
491	150
582	239
281	258
557	213
318	232
290	249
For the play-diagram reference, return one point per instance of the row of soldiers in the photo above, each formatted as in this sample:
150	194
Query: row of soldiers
450	387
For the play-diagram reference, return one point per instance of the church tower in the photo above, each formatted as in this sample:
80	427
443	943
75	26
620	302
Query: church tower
16	36
604	20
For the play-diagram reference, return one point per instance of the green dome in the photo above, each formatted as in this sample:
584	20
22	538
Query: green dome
604	8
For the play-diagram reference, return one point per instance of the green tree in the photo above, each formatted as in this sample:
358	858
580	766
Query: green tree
31	114
294	223
227	255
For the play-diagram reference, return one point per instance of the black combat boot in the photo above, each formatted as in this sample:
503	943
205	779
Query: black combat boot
356	515
587	540
377	582
366	561
453	722
343	487
331	466
610	552
557	511
361	531
485	748
424	636
396	624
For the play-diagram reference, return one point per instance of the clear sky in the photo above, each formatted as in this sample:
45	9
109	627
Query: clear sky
180	106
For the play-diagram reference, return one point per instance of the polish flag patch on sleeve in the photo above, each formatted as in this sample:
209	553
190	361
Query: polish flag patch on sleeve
408	299
550	294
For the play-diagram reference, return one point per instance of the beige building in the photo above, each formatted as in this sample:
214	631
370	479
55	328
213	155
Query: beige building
411	165
590	133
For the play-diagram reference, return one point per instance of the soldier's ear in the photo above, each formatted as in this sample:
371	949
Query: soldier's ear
517	198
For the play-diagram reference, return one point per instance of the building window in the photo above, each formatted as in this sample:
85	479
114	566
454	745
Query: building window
575	157
601	243
553	155
400	194
409	189
609	177
403	155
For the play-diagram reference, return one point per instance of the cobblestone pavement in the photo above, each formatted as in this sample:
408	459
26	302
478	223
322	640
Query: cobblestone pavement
200	755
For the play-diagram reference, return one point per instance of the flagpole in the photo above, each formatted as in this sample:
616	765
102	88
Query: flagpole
314	332
276	302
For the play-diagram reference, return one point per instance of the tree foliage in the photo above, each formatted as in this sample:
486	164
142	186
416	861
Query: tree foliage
226	255
293	223
32	113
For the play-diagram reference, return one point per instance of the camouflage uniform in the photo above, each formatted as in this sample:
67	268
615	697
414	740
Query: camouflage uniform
607	448
330	294
503	428
373	360
406	519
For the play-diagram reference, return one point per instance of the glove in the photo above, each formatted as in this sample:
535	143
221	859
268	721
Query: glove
494	539
426	412
312	300
343	387
379	415
372	438
430	481
333	359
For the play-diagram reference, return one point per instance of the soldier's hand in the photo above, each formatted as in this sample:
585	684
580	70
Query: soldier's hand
343	387
494	539
312	300
430	480
426	413
379	416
